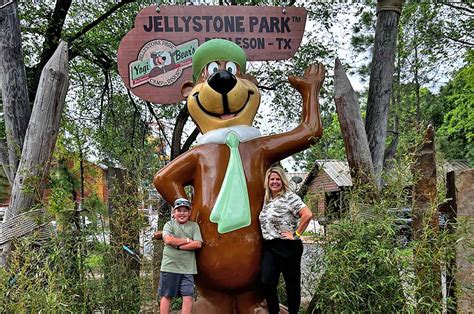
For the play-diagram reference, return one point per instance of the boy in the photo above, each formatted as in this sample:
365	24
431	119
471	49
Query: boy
178	266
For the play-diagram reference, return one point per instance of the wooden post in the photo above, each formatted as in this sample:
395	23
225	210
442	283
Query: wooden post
41	135
425	222
464	183
424	190
381	78
352	127
448	208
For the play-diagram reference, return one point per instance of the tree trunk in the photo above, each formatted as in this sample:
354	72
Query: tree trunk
381	78
181	119
40	136
352	128
16	107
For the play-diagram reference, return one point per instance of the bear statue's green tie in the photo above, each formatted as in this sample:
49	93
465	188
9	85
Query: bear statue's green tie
232	208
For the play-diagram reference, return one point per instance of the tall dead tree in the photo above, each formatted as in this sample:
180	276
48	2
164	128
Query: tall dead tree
352	127
16	106
41	134
381	79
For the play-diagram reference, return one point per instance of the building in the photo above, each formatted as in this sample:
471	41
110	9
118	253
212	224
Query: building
326	187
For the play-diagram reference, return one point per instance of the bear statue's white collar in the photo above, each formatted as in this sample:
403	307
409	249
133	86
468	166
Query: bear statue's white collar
244	132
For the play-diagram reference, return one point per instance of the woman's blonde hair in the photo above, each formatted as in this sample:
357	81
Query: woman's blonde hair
284	181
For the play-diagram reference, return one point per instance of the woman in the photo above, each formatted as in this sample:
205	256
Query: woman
282	247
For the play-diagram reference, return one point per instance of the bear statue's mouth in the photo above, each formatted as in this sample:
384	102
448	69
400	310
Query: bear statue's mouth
227	114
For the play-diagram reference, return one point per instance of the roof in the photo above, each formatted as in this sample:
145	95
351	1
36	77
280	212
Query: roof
24	224
337	170
455	165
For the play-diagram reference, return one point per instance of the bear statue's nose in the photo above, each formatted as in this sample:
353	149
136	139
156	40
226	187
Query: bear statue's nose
222	81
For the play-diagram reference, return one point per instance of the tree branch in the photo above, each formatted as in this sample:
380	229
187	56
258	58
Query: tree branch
190	140
51	42
458	7
273	87
98	20
54	30
178	132
158	122
460	41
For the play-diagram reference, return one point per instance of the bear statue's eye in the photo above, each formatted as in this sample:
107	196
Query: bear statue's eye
212	68
231	67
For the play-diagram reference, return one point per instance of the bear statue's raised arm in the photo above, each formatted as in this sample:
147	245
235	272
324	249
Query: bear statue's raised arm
279	146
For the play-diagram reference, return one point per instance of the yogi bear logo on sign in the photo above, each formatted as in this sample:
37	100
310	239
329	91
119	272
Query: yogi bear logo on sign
161	63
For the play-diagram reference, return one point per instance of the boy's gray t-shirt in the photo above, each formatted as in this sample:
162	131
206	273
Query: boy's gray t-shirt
180	261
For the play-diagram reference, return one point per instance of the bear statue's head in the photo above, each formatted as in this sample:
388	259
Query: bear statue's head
221	94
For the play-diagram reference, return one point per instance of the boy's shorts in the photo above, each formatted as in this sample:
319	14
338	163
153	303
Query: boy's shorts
175	285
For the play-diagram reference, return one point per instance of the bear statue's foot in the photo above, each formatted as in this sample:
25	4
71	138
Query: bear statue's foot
214	302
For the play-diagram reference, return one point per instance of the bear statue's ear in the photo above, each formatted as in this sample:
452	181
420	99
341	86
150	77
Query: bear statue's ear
186	88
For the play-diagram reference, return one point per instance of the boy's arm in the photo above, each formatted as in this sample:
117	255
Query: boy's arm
193	245
169	238
173	241
196	241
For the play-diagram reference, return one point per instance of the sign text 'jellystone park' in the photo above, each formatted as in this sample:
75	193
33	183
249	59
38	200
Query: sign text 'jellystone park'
154	58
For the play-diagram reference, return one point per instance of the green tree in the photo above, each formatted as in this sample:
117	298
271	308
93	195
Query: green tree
456	133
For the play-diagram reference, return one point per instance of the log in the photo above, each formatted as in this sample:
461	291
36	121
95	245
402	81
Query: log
40	139
352	128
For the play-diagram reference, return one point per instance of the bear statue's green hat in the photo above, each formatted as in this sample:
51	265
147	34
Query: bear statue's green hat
217	49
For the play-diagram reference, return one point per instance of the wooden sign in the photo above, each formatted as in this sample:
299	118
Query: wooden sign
154	58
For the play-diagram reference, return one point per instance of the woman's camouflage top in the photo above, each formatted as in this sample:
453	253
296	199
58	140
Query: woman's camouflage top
280	214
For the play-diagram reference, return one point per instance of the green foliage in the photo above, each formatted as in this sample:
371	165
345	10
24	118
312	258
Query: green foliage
457	131
368	266
330	146
52	279
361	264
78	270
4	186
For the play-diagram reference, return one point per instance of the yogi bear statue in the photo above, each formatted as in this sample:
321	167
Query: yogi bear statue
227	169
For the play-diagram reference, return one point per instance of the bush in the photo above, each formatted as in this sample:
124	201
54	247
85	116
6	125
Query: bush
368	266
66	276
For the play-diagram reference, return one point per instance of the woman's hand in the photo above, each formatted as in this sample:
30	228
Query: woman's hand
288	235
